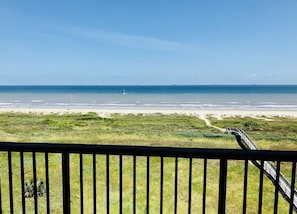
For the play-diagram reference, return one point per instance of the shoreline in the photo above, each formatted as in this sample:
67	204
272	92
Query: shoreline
219	113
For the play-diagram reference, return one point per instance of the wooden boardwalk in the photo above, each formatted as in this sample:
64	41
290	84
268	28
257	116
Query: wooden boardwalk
269	169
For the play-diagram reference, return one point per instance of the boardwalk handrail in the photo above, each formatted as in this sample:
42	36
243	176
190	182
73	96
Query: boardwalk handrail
269	169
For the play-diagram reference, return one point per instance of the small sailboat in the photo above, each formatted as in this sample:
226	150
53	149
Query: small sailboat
123	91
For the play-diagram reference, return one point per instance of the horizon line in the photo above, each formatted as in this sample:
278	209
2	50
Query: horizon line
211	84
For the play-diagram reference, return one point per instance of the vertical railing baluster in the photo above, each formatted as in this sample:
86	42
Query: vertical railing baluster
107	183
176	185
190	186
35	183
222	186
66	183
47	183
204	186
147	184
261	187
94	184
81	182
23	182
161	183
0	197
121	183
293	179
10	182
276	187
134	184
245	181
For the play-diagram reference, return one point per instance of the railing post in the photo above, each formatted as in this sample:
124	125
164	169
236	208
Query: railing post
22	182
147	184
277	184
0	197
222	186
293	178
107	184
10	182
121	183
94	184
261	187
81	183
245	183
66	183
190	186
47	183
176	185
35	183
161	183
134	184
204	186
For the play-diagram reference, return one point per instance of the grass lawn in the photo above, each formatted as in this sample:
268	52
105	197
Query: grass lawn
155	130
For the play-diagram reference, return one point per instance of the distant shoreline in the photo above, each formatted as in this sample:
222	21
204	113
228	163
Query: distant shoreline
219	113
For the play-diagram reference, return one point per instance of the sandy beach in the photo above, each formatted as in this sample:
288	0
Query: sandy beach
200	113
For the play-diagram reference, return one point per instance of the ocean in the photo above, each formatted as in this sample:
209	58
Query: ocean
184	97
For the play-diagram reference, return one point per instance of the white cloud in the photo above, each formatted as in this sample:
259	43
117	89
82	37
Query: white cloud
267	77
252	77
125	40
50	29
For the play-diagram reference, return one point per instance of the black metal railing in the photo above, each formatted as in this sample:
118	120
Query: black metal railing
76	178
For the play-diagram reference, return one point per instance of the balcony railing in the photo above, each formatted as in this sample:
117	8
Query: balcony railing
75	178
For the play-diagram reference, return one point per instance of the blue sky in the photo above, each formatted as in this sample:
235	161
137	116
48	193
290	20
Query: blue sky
148	42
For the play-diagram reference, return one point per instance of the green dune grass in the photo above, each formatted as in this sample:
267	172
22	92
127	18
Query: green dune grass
155	130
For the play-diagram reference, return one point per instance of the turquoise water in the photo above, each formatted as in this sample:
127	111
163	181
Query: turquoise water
271	97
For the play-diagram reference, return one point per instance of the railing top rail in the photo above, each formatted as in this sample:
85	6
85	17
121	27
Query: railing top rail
236	154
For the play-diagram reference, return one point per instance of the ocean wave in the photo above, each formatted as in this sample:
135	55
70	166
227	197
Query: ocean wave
6	104
279	106
147	100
